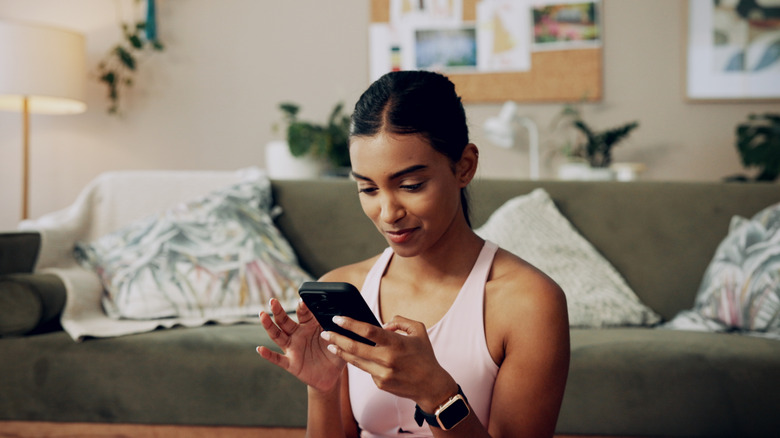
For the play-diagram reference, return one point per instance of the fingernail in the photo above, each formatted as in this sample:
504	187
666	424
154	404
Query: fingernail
333	349
325	335
338	320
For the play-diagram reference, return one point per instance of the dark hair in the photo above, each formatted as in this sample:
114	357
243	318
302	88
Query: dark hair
415	102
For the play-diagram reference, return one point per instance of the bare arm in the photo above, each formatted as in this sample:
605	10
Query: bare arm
329	413
530	383
304	355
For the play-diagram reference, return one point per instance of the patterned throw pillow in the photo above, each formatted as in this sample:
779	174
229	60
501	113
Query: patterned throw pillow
531	227
740	290
217	257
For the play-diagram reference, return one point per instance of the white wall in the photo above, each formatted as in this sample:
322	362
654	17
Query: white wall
210	99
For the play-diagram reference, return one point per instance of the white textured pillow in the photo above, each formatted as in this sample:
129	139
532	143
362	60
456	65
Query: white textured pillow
216	258
531	227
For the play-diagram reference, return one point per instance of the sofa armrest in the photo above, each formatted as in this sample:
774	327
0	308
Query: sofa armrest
30	303
19	251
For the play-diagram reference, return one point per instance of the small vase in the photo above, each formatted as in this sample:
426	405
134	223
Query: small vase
584	172
280	163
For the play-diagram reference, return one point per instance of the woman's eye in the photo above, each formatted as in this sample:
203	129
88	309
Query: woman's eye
366	190
412	187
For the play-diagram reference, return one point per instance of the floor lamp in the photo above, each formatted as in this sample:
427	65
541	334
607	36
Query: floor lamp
42	70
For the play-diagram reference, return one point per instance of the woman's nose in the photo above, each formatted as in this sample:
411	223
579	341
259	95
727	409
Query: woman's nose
392	210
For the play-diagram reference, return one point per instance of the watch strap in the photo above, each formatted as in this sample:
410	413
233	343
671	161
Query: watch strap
421	416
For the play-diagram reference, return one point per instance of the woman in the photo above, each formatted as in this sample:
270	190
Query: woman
470	331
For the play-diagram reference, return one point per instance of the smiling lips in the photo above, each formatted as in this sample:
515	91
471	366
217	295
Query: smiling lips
400	236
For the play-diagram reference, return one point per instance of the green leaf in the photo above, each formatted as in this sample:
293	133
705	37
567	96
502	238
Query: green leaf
758	143
135	41
299	138
109	78
127	59
335	113
289	109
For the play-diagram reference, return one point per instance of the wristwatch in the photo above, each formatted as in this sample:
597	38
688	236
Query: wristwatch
448	415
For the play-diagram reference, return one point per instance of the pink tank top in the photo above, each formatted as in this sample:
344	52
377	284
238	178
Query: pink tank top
459	342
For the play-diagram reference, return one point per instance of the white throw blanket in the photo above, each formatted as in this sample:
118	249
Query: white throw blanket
109	202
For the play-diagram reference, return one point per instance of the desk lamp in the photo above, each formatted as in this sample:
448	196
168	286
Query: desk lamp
502	131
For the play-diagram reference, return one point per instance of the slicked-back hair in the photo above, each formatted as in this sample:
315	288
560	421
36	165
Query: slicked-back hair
415	102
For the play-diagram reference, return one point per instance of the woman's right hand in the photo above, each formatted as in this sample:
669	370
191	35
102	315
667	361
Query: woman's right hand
304	352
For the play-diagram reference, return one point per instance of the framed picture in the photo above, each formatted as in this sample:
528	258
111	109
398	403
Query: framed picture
733	50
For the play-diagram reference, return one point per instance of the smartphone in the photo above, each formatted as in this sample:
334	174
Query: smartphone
328	299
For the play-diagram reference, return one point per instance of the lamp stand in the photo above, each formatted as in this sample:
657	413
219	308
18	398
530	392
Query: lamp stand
25	157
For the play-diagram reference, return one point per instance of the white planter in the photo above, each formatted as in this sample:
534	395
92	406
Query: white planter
583	172
281	164
627	171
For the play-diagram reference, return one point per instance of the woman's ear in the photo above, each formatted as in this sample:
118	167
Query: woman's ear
466	167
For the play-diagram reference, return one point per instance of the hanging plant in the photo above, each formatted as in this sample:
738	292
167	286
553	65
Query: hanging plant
116	70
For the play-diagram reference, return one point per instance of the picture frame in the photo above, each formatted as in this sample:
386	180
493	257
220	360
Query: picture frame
732	51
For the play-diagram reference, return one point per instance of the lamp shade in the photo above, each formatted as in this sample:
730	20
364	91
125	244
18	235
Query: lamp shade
44	64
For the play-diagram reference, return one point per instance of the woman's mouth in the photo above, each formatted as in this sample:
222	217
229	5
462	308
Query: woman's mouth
400	236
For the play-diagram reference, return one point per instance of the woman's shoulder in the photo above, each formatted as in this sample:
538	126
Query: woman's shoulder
517	286
354	273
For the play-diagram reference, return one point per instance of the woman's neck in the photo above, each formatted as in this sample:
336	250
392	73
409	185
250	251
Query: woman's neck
453	255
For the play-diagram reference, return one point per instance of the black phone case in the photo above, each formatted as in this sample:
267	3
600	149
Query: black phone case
328	299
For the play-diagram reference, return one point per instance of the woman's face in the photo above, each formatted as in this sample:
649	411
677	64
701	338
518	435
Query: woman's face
409	190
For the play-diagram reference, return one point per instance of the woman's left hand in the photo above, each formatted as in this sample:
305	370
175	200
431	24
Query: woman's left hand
402	363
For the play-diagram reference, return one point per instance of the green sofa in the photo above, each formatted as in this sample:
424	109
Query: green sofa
626	381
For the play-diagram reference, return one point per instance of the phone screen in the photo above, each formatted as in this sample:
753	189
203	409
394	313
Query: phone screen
328	299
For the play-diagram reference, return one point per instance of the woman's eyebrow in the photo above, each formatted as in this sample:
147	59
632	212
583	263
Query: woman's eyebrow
408	170
400	173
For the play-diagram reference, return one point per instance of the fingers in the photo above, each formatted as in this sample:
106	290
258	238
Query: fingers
276	334
273	357
280	327
349	350
366	330
281	318
355	352
303	313
405	326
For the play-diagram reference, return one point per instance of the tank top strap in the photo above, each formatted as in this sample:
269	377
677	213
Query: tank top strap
370	289
481	269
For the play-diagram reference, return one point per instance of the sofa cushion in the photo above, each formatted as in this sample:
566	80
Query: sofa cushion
208	375
740	290
215	258
531	227
648	382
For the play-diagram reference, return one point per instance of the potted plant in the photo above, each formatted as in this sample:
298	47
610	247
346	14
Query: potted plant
310	149
590	157
758	143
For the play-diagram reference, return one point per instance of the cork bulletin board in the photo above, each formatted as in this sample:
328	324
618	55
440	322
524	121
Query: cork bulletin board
565	75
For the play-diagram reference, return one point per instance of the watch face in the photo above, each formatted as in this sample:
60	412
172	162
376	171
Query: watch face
452	413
